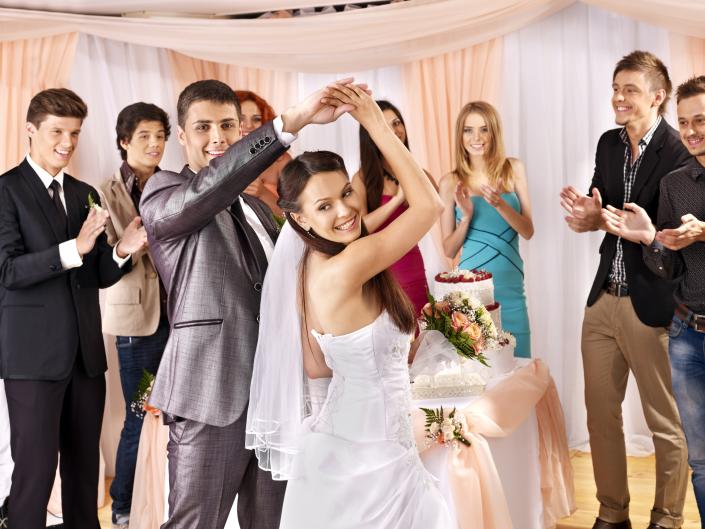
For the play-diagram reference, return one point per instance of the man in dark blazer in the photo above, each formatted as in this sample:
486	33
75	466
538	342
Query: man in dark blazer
629	307
211	244
53	259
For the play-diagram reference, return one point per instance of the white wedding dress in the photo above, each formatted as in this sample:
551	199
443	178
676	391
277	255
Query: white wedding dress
357	465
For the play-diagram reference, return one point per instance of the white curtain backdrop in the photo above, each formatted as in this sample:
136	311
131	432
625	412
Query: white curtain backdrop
110	75
556	104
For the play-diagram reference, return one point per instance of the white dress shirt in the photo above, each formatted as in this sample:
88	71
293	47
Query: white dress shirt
68	251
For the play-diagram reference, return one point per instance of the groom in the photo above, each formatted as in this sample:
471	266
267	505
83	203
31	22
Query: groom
211	244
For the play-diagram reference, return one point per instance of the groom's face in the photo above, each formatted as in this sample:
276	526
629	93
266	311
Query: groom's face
209	129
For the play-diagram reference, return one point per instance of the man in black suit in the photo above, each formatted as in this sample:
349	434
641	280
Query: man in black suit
53	259
629	307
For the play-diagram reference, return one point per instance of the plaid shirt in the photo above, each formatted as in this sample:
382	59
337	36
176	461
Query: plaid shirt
618	273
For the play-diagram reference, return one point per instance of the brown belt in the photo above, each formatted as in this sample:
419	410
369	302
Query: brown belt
690	318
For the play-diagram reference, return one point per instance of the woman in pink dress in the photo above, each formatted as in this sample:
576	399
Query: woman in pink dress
384	200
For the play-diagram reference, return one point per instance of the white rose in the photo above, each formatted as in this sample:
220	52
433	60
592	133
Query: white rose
448	429
434	428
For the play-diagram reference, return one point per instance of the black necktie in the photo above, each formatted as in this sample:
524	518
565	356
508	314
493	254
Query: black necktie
60	212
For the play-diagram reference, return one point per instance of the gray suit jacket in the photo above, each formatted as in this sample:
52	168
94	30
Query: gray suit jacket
213	270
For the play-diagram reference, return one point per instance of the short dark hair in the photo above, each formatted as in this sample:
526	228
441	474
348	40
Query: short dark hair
692	87
208	90
652	67
60	102
130	116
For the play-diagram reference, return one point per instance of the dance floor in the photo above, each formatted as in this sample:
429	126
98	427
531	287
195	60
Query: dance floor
641	485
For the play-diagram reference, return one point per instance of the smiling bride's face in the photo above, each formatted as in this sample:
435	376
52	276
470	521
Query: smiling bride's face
330	207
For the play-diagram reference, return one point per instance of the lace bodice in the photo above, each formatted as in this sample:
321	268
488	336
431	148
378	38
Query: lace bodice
369	397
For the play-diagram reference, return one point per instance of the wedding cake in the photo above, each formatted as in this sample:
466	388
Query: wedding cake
475	283
442	369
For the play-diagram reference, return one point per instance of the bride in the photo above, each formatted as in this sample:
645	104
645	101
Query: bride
330	403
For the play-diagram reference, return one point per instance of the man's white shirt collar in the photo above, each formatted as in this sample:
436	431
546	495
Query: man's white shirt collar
46	178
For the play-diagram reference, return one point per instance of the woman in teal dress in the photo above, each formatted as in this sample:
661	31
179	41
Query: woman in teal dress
487	208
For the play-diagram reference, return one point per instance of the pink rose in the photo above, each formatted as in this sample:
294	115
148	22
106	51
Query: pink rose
459	320
443	306
473	330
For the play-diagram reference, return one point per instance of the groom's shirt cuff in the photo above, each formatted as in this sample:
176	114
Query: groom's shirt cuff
285	138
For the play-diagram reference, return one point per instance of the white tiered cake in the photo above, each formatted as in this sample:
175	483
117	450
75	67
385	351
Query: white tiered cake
438	370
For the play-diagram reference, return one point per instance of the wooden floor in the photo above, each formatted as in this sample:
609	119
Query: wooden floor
641	486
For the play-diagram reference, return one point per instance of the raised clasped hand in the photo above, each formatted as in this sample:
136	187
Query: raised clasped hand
631	223
134	239
690	231
317	108
583	211
92	227
356	100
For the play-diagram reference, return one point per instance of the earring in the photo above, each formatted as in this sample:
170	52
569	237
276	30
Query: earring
311	233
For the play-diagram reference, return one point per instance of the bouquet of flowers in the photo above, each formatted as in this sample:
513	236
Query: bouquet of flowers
445	429
463	320
139	404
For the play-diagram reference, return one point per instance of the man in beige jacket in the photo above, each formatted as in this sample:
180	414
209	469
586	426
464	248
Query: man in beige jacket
135	308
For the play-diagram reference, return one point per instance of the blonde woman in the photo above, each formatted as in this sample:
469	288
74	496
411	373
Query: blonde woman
486	207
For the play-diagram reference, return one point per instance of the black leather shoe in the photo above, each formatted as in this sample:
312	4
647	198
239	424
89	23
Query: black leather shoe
601	524
3	516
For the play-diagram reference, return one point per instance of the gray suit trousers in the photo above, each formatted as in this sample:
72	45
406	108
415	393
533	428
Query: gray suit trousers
208	467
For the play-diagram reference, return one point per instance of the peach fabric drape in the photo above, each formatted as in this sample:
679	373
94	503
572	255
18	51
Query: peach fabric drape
436	90
479	497
279	88
354	40
27	67
687	57
147	511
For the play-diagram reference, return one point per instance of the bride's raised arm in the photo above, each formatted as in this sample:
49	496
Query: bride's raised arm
368	256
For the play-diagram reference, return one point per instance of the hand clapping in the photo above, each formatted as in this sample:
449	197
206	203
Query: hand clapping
691	230
583	211
134	238
92	227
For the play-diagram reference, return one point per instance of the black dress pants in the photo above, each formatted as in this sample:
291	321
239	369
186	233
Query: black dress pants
48	418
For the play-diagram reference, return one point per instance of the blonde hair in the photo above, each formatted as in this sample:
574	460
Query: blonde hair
499	168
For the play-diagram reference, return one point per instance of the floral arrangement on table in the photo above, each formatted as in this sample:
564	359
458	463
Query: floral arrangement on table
463	320
139	405
441	429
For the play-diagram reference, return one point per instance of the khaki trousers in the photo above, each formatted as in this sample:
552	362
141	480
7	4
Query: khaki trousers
615	341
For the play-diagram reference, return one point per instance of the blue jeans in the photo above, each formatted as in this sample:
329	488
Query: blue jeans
686	349
135	354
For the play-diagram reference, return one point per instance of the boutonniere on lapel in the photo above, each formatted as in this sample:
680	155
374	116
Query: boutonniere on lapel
92	203
279	221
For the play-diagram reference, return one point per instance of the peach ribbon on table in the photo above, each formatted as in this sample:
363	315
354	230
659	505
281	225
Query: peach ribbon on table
477	490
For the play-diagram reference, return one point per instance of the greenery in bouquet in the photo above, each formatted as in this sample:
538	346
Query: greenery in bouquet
463	320
139	404
444	429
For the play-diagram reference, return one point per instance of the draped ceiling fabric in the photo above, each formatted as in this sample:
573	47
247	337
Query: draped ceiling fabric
277	87
353	40
26	67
